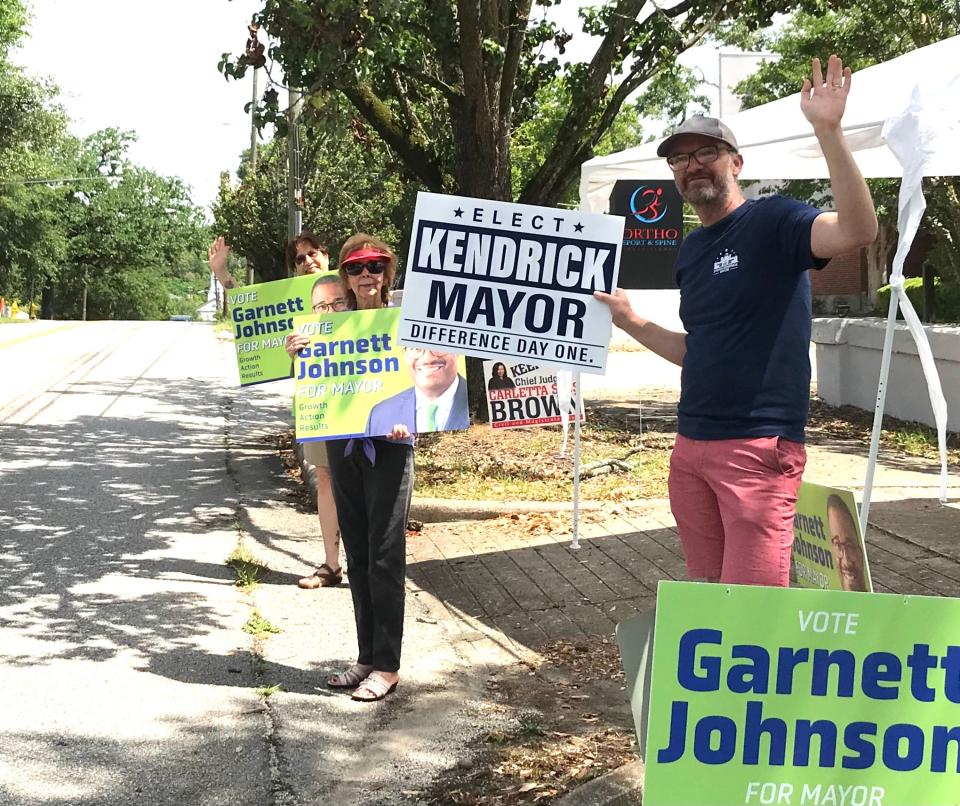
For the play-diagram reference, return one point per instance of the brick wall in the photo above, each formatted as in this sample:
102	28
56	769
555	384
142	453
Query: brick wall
845	274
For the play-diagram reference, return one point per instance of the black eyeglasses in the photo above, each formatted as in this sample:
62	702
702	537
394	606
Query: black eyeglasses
301	259
704	155
372	266
338	305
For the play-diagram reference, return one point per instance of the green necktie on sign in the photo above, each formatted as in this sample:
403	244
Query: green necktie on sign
432	417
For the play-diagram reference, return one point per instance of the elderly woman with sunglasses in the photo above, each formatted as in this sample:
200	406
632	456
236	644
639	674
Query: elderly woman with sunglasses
306	254
372	485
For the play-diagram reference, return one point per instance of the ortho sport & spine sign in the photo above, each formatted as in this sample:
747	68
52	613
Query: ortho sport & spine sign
789	697
502	280
652	234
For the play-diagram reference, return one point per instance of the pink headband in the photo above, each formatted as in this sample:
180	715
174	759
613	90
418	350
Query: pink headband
365	254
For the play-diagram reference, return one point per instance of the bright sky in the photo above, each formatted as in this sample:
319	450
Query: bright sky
150	67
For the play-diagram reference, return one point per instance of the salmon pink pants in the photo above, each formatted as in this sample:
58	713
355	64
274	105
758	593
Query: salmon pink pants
734	501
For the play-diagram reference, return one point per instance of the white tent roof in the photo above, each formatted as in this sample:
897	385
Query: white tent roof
776	141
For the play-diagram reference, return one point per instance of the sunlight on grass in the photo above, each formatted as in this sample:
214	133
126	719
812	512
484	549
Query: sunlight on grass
524	464
247	569
258	625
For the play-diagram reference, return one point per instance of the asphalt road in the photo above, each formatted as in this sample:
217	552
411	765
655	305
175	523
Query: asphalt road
130	466
125	674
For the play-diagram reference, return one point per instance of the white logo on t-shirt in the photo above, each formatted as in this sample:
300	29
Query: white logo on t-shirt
726	262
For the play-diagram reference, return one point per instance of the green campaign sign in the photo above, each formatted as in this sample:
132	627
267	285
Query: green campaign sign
803	698
828	548
354	379
261	317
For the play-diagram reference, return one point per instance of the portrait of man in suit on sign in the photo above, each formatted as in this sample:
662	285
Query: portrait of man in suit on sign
437	401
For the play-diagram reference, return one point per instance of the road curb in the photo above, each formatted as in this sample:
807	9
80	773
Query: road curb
622	787
439	510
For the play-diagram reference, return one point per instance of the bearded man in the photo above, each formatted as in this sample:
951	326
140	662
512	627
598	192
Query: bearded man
745	305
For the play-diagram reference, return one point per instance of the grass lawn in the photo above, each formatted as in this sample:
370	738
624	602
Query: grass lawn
525	463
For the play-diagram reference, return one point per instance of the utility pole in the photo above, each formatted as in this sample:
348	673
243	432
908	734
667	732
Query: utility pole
253	125
294	187
255	58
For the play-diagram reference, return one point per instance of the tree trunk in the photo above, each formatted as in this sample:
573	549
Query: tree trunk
878	255
46	303
483	151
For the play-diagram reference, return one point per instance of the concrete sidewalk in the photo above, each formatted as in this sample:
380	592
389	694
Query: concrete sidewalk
482	601
531	589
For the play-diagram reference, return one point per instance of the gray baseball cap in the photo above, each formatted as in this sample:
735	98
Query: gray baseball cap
699	124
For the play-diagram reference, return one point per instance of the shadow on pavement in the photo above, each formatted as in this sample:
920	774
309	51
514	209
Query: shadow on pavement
539	592
104	517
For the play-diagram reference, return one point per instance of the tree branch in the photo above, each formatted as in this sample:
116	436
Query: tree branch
413	122
581	119
450	92
583	127
517	26
421	160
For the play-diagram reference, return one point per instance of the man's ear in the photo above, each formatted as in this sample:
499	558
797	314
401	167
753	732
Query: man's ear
737	161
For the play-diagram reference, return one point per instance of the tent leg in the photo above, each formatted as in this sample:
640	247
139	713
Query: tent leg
577	403
881	400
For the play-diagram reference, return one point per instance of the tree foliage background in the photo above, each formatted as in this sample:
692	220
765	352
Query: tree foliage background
78	220
864	33
475	98
446	84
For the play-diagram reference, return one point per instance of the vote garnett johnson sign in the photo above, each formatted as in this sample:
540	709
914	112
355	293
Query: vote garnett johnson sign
510	281
785	697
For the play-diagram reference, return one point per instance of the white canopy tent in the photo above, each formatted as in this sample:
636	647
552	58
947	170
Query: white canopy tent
776	141
902	120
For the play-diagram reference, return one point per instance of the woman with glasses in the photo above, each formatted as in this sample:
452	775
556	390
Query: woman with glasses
306	254
372	485
327	296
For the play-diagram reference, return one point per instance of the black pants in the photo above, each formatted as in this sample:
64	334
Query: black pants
373	501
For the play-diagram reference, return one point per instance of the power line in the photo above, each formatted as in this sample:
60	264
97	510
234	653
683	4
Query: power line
53	181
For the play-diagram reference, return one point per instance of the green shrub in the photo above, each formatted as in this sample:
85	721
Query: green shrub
948	303
946	298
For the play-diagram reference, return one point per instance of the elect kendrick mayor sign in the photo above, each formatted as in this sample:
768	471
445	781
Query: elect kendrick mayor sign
510	281
652	234
803	698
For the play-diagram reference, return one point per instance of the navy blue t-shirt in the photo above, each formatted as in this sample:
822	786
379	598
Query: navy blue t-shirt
745	304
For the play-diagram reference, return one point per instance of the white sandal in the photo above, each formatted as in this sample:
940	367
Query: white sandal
376	687
351	678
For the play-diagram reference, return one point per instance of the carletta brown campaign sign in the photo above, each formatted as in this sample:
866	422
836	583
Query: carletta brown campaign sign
523	395
501	280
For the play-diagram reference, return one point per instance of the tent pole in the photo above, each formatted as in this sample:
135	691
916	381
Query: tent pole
575	543
881	400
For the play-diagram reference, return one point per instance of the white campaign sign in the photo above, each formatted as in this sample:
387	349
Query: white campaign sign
526	395
513	281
